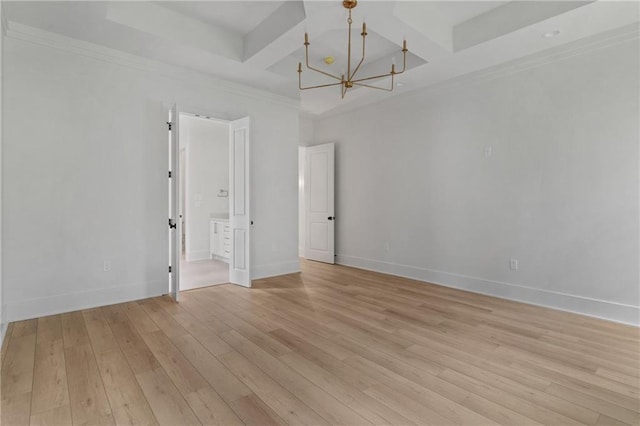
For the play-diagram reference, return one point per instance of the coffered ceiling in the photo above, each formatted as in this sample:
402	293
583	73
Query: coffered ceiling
239	17
259	43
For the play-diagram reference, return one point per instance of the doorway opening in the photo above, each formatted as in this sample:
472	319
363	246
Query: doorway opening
204	201
209	201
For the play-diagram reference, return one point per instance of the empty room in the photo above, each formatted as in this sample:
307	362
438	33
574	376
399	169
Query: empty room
320	212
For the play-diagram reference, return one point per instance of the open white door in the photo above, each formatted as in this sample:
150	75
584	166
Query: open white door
319	203
174	204
239	210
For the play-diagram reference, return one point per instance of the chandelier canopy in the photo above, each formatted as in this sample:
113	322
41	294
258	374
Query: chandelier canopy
348	80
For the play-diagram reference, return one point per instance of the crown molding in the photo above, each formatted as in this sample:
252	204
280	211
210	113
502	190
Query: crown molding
584	46
49	39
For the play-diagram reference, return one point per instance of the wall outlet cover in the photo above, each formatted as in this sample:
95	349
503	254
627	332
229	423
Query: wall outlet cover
513	264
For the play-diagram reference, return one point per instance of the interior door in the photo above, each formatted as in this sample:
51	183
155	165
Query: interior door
319	203
239	210
175	224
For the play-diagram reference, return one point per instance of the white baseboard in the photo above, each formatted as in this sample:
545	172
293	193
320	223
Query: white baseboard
43	306
275	269
192	256
611	311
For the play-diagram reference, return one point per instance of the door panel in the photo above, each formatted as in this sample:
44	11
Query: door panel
319	200
239	216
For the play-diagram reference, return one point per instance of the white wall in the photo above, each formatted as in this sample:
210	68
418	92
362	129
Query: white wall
302	214
84	169
416	195
305	131
305	139
207	172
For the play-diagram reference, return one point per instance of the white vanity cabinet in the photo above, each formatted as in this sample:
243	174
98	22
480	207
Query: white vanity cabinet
220	239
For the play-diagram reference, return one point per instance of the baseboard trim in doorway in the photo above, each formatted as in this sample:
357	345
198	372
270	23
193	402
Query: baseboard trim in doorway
69	302
194	256
603	309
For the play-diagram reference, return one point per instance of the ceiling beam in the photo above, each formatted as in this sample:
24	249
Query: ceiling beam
167	24
284	20
507	19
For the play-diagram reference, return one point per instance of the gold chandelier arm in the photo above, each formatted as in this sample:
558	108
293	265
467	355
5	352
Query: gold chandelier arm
364	38
375	77
349	46
392	73
315	69
319	86
376	87
373	87
404	58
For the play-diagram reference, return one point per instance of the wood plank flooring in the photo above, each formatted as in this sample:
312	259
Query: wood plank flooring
333	345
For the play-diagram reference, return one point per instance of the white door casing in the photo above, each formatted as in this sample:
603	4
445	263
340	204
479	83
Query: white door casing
239	208
319	203
175	224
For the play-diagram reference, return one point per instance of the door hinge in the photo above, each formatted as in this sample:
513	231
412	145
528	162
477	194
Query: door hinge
169	269
169	174
170	124
171	224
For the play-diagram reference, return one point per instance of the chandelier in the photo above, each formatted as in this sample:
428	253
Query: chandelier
348	80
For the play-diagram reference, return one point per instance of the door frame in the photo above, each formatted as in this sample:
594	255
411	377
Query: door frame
214	116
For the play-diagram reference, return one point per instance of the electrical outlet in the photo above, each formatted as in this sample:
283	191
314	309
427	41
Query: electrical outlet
513	264
106	266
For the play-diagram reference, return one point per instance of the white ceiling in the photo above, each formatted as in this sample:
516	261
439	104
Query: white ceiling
240	17
455	12
259	43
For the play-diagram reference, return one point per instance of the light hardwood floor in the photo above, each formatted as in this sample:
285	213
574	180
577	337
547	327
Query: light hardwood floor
334	345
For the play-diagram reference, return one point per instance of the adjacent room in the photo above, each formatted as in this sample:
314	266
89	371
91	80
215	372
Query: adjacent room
320	212
204	201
